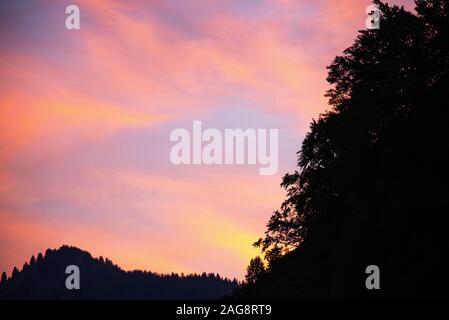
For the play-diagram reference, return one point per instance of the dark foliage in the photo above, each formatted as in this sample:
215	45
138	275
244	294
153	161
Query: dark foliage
101	279
372	181
255	271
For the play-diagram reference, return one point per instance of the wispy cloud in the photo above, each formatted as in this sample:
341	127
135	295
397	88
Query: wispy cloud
85	118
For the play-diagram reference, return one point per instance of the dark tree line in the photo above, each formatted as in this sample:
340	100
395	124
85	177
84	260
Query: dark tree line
44	278
371	187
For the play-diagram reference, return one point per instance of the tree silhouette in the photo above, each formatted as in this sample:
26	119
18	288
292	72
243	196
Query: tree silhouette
3	279
371	184
255	270
15	272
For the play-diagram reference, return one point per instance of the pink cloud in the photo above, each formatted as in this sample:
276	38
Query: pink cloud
85	118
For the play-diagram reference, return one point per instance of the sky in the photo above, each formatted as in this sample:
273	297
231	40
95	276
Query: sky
86	116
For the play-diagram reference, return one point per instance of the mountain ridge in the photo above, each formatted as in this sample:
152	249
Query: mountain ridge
44	277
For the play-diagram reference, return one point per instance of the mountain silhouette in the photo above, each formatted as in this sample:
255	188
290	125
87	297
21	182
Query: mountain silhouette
45	278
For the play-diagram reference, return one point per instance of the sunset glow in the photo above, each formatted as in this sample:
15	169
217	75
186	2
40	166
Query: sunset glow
86	116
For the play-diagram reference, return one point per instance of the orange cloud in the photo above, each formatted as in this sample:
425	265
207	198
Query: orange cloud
68	98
